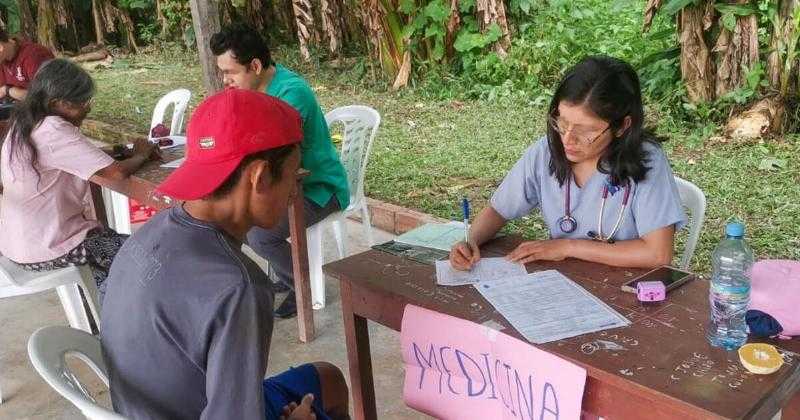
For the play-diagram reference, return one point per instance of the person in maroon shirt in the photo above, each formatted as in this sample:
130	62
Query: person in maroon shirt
19	61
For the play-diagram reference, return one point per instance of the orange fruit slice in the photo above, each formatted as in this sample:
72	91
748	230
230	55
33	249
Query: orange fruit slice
760	358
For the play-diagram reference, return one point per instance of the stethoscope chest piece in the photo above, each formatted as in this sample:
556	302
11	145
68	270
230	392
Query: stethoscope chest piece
567	224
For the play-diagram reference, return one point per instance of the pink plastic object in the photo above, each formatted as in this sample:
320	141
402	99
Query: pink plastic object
650	291
774	290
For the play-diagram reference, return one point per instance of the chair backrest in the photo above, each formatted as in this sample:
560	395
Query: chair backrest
180	99
47	349
360	126
694	201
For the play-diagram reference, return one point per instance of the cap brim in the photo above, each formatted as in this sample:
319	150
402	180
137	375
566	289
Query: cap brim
193	181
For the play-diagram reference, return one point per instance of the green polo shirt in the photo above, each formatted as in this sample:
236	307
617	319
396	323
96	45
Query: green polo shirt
328	176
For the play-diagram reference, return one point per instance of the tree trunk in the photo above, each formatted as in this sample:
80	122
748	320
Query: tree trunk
385	35
46	28
117	19
781	66
97	13
27	23
737	52
205	17
255	16
66	20
490	12
351	22
650	10
453	25
162	20
228	12
304	19
697	65
282	10
332	24
130	29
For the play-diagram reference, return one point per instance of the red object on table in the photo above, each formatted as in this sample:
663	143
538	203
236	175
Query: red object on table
159	130
140	213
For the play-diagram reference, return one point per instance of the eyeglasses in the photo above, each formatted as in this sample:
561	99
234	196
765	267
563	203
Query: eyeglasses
583	138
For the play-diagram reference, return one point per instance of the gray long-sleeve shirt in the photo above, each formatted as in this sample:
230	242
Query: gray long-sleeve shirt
186	324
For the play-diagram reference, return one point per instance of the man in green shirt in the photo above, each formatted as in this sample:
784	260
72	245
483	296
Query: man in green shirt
244	59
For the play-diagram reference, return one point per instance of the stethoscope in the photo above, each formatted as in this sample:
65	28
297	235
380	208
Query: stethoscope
568	224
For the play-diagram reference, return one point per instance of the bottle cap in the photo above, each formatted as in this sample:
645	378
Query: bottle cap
735	229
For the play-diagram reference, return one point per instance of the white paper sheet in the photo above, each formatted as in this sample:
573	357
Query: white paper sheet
487	269
546	306
174	164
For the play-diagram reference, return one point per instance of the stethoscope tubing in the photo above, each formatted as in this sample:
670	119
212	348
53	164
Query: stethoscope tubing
568	224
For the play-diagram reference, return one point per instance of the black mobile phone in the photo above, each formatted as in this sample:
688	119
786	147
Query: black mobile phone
670	276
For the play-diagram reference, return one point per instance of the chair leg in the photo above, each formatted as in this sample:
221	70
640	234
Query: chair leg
122	214
340	234
367	224
90	292
70	298
315	259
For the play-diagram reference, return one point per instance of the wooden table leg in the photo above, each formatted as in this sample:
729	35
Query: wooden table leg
99	204
359	358
302	282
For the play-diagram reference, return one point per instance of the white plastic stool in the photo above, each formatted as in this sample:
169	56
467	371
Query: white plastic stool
16	281
48	348
360	127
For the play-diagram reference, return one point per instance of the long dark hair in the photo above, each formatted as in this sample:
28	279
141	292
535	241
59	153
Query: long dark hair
57	79
610	88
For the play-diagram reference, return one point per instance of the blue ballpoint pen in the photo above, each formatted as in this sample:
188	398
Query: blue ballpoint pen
465	210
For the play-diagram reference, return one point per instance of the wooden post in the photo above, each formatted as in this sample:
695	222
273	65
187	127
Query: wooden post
302	280
205	19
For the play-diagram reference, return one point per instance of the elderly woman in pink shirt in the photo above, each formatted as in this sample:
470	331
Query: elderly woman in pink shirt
46	164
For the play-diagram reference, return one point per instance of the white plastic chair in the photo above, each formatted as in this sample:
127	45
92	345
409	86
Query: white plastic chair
179	99
360	127
48	348
694	200
16	281
118	205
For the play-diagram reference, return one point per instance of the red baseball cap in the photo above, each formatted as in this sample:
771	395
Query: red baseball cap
224	129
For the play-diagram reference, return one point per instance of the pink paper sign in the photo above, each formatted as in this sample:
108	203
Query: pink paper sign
457	369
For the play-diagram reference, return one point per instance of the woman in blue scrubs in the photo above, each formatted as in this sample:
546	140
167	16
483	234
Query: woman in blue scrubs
602	183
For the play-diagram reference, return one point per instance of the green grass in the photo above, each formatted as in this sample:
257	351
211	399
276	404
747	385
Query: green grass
127	93
431	151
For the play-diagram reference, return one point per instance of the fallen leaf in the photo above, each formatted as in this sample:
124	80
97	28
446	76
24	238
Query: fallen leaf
772	164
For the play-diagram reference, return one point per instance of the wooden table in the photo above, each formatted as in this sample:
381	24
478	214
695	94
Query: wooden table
667	370
141	187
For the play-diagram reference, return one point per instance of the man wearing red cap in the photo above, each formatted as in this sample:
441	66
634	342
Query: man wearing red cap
187	318
245	62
